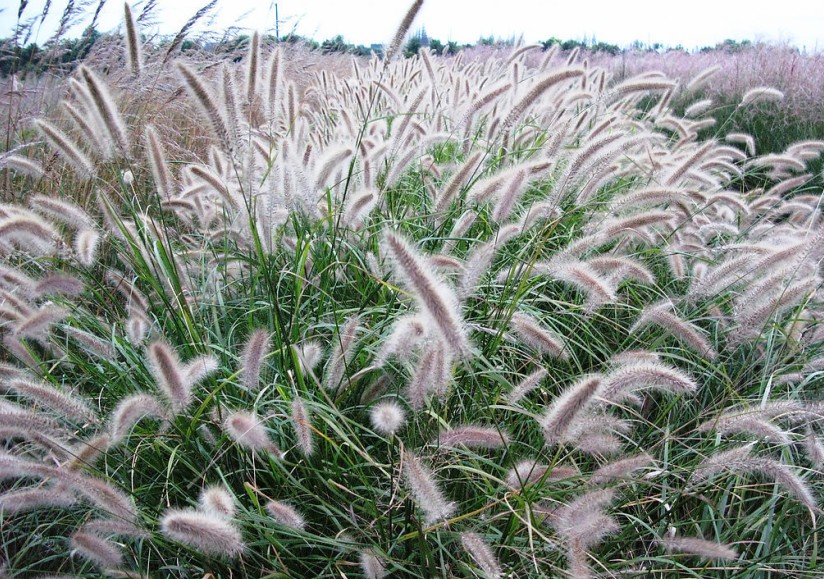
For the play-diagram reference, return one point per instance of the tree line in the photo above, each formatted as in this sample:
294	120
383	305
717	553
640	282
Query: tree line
65	54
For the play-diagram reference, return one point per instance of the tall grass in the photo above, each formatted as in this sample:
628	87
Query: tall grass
416	319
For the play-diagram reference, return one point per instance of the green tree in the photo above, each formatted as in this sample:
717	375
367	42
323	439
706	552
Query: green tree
549	43
572	44
336	44
605	47
413	45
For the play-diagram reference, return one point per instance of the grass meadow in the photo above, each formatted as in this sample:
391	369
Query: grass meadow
523	313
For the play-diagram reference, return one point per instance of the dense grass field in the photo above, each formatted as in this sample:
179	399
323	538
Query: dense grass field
276	314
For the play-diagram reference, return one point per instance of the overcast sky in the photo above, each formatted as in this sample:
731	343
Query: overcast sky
691	24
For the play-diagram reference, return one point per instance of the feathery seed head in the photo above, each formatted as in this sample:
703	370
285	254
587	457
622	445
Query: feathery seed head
684	331
538	89
631	377
22	165
456	181
582	521
99	551
112	122
14	419
252	68
216	500
733	460
525	386
12	467
67	405
387	417
85	246
157	163
400	34
169	374
787	478
199	368
29	233
567	406
286	515
698	547
431	375
134	56
459	228
473	437
302	424
481	554
371	566
620	469
254	353
407	332
309	355
87	452
40	497
747	422
359	207
247	430
205	532
585	278
56	284
761	94
425	490
814	448
37	324
67	148
61	210
137	329
536	336
702	77
207	103
341	352
103	495
130	410
527	472
436	299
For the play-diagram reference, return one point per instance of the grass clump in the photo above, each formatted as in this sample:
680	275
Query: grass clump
417	320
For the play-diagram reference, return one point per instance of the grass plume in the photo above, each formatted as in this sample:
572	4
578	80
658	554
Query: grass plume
207	533
134	50
424	489
436	299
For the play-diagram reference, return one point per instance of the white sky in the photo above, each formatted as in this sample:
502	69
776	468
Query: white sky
691	24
